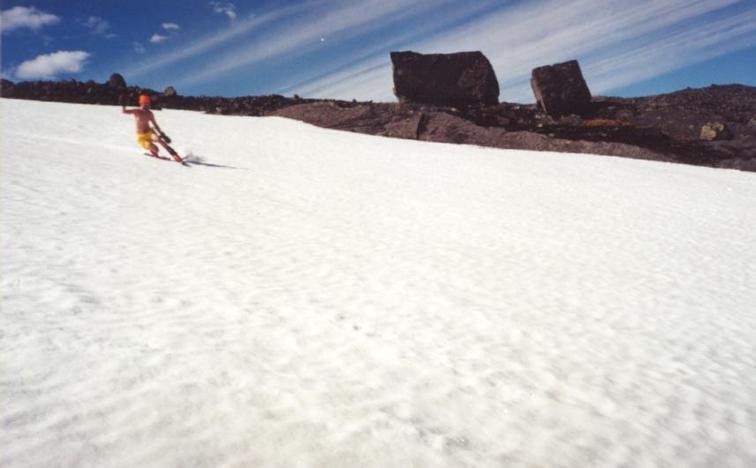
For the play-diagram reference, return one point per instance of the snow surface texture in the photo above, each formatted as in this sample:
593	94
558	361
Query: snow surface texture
307	297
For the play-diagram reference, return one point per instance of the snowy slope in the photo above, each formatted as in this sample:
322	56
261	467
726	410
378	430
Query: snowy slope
307	297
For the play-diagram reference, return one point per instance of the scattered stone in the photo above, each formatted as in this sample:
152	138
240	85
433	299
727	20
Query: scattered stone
624	115
560	89
458	80
571	119
117	81
604	123
715	131
169	91
408	128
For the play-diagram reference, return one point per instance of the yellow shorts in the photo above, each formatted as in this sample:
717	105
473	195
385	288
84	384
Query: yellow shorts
144	139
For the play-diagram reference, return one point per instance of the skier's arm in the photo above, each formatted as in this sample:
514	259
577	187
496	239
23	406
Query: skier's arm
122	101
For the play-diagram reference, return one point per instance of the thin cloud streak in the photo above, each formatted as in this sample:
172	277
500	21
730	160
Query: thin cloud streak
211	41
611	42
684	48
349	19
370	56
371	81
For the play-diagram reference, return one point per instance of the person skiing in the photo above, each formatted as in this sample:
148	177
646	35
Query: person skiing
145	135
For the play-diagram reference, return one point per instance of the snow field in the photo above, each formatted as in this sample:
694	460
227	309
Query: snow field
307	297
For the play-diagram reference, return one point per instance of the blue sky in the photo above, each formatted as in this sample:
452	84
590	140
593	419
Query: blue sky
339	48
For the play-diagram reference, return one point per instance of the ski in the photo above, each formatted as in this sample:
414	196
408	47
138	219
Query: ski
164	139
180	161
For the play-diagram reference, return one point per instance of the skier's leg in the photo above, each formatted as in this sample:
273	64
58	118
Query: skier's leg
154	151
144	140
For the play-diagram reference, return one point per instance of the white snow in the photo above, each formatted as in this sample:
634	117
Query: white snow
308	297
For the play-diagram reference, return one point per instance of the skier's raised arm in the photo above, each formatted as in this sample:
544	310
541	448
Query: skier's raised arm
122	101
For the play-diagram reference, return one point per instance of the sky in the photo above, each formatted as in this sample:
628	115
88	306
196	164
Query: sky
340	48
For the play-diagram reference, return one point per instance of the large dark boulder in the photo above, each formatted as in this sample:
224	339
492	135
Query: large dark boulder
560	89
116	81
460	79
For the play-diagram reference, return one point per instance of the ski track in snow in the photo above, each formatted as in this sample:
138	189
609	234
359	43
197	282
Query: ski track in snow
333	299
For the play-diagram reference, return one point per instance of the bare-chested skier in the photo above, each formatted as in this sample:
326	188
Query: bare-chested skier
146	137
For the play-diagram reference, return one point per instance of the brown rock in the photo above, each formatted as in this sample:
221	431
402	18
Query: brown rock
459	79
560	89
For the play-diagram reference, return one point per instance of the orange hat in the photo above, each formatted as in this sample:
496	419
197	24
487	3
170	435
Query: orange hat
144	100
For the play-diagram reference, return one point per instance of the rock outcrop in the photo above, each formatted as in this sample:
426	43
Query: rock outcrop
117	81
459	79
560	89
5	87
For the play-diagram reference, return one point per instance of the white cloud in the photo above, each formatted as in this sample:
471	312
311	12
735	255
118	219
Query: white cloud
158	38
99	27
224	8
49	65
25	17
138	47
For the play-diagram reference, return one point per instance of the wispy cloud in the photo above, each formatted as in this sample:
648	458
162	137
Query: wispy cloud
158	38
215	40
50	65
373	58
138	47
682	47
344	19
25	17
224	8
588	30
618	43
99	27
